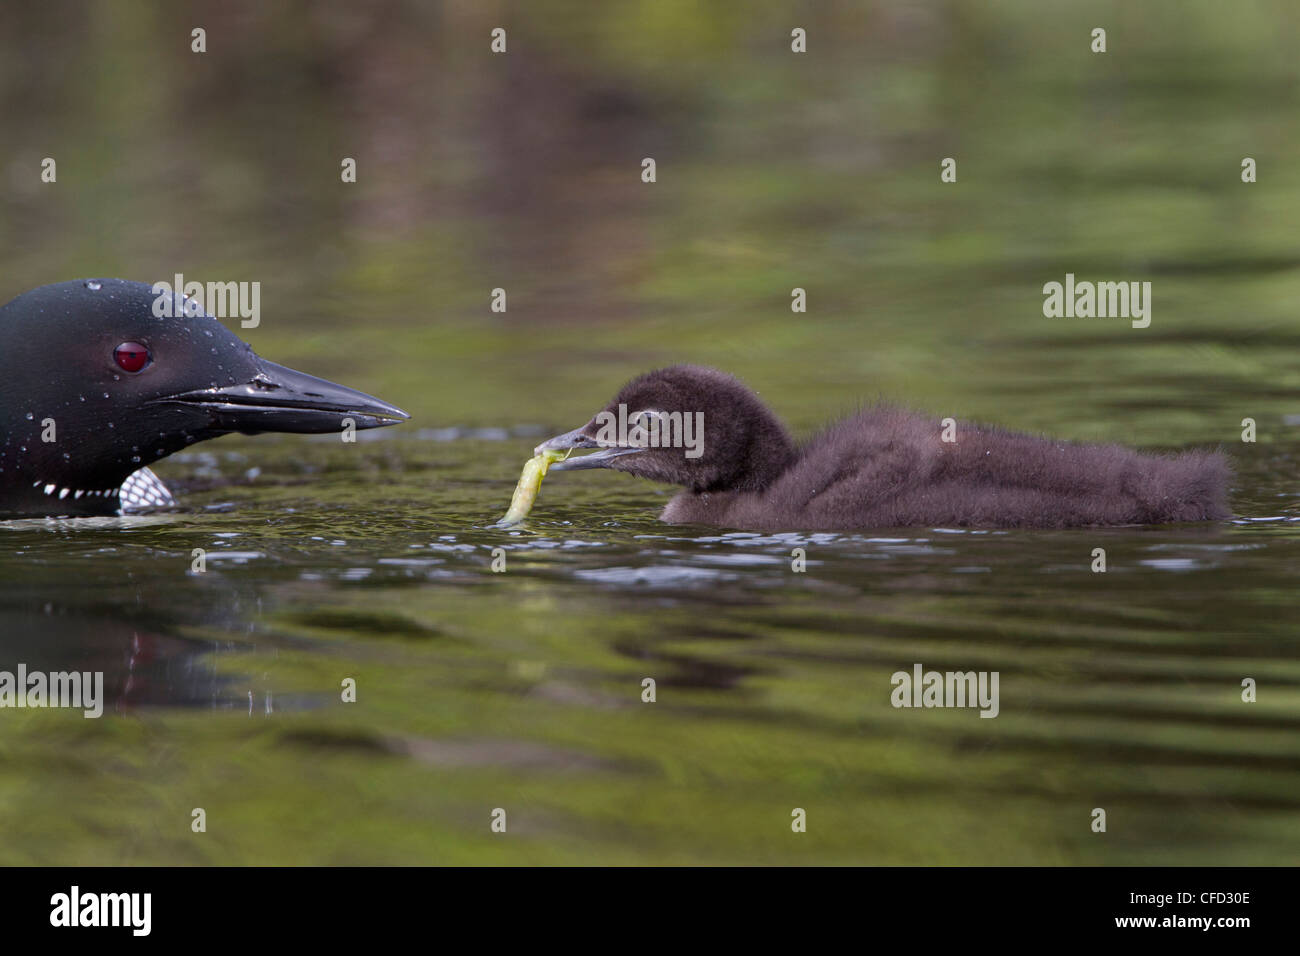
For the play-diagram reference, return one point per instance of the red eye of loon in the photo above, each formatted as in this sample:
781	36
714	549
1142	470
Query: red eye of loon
131	356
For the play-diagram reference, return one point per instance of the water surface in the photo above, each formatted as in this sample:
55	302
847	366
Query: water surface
522	689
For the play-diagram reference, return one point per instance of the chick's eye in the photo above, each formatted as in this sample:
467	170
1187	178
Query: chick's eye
131	356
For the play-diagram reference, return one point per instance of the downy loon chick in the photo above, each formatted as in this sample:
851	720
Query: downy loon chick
89	365
884	467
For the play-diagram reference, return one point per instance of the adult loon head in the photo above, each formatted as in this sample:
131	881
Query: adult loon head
94	386
880	468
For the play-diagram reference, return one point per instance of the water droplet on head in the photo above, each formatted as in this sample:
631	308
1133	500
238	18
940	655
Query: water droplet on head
94	286
29	416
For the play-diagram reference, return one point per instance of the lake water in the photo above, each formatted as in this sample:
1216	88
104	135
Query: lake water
522	689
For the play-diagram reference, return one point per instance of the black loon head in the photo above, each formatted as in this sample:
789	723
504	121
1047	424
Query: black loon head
94	385
686	425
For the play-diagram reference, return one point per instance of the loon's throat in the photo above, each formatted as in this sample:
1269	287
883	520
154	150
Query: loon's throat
142	491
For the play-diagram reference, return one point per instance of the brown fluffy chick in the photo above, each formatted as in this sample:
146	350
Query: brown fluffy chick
884	467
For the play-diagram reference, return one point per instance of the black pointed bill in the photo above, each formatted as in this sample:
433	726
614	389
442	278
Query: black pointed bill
280	399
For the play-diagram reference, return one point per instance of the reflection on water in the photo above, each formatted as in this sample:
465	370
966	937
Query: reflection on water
141	667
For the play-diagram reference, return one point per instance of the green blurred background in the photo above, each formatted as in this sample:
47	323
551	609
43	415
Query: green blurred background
775	170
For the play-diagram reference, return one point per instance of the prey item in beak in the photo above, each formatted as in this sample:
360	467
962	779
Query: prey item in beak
578	438
281	399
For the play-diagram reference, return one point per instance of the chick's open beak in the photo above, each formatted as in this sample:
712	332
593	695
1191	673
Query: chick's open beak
578	438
